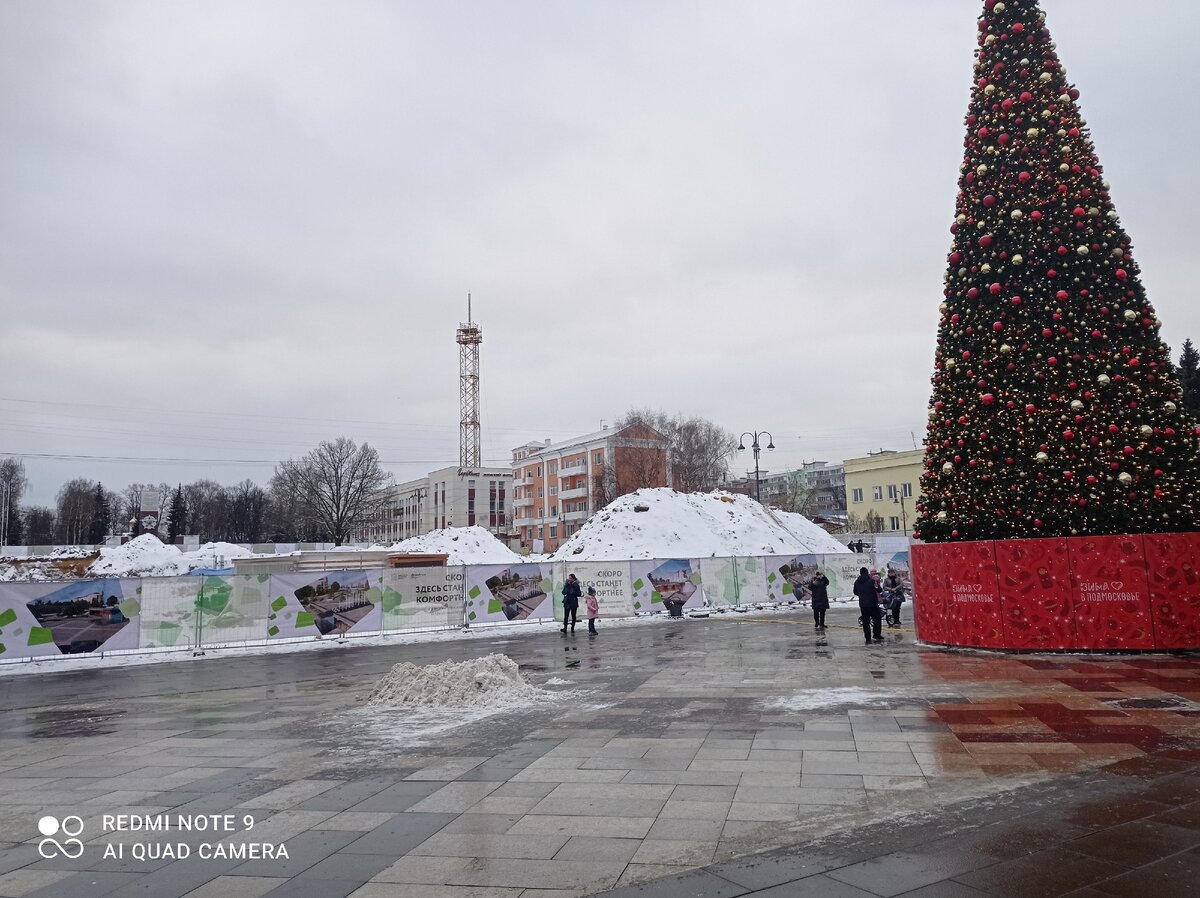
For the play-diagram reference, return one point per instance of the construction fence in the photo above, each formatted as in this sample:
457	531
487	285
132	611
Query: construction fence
123	615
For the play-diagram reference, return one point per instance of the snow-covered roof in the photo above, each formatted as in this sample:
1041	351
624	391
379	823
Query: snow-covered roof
597	436
671	524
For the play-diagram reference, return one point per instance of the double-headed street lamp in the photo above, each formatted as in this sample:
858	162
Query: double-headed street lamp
756	437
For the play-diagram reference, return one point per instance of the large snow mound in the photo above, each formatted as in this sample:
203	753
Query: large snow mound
488	682
464	545
663	523
147	556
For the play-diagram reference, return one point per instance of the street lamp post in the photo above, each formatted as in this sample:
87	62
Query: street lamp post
903	514
754	444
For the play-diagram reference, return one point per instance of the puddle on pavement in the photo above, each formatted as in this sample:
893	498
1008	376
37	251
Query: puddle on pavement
73	722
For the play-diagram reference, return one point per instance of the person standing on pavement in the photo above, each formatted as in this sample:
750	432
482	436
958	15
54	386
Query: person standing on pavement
593	610
571	593
818	588
868	604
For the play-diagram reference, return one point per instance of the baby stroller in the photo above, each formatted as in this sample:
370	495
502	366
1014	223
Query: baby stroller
890	607
891	601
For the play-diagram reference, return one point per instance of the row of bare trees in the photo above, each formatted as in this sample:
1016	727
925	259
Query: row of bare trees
323	496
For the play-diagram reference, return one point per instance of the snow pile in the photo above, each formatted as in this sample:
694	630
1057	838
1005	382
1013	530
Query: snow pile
663	523
488	682
464	545
146	556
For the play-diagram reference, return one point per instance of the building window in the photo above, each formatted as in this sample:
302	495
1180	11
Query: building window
598	457
856	495
906	490
553	511
877	493
540	532
553	467
539	492
553	491
895	523
891	491
539	471
553	532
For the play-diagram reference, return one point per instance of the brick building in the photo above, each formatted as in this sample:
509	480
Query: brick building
558	486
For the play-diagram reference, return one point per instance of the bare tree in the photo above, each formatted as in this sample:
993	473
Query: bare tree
39	525
12	487
76	509
700	449
629	469
207	509
340	485
247	512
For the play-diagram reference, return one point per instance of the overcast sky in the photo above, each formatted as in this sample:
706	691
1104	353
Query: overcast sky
230	230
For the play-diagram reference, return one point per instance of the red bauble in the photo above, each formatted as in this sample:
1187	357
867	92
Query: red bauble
989	200
995	289
985	241
988	398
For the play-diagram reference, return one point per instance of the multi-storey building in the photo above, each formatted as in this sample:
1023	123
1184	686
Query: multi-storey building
882	489
558	486
446	498
818	486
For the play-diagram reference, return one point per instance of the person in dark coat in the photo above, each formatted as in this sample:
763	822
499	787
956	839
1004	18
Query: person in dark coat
818	588
894	588
868	604
571	593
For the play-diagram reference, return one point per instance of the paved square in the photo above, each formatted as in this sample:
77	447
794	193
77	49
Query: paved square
674	746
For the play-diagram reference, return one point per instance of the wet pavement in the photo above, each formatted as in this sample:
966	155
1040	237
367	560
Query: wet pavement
728	756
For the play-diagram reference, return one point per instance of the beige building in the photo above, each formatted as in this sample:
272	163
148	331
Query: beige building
444	498
883	488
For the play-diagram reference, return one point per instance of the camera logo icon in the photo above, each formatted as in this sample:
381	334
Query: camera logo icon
69	826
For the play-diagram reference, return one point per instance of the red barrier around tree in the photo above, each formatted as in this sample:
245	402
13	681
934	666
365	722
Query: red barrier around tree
1035	594
1173	560
1108	593
974	595
929	582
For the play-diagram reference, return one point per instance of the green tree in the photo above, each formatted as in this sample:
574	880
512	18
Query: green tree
101	524
1055	408
177	516
1189	376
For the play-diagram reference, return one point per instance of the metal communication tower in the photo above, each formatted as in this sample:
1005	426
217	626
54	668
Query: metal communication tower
468	337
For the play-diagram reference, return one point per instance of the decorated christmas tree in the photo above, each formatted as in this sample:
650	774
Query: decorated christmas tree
1055	408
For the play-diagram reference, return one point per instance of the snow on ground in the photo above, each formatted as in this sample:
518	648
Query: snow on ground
492	681
464	545
663	523
146	556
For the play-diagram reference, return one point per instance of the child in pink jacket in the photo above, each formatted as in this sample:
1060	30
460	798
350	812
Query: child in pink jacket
593	610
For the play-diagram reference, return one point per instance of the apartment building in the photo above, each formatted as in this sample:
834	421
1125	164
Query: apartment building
821	484
558	486
882	489
446	498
